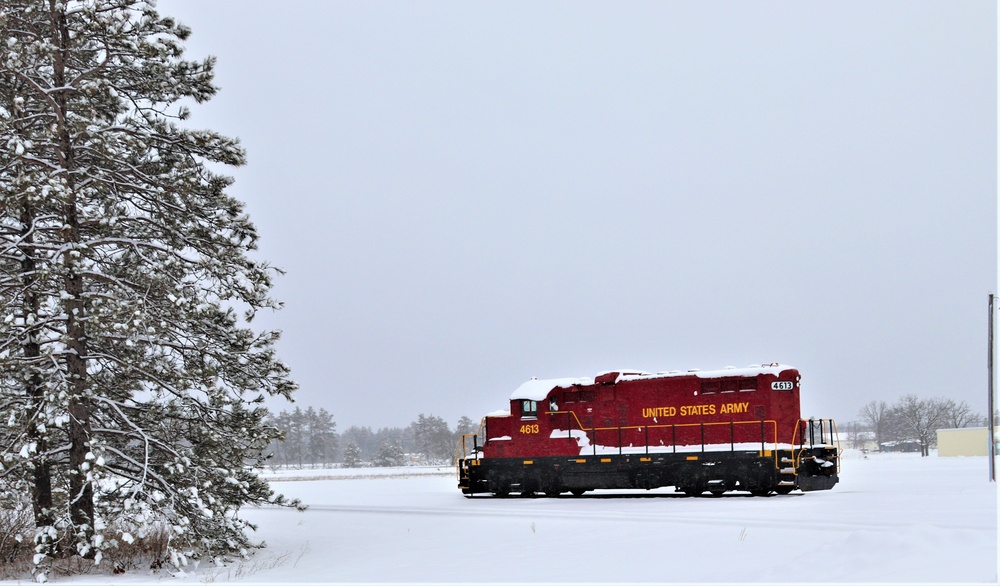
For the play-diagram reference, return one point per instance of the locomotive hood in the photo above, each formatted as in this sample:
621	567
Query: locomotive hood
537	389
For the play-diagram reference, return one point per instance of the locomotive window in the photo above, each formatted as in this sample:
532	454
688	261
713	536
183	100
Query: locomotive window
709	387
729	386
748	384
587	395
570	396
529	408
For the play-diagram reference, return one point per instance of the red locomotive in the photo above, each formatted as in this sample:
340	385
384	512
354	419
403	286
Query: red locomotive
698	431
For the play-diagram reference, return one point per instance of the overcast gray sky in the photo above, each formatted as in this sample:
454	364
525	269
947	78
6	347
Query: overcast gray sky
466	195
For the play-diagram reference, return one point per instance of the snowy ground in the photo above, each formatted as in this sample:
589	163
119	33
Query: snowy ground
893	518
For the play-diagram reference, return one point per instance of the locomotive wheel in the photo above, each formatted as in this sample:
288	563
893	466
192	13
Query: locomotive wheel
578	491
691	491
553	492
783	489
717	492
760	492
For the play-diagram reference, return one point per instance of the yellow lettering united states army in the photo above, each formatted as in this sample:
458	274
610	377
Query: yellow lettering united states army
735	407
689	410
659	411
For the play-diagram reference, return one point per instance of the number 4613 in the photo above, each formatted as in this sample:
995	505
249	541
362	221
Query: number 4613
529	428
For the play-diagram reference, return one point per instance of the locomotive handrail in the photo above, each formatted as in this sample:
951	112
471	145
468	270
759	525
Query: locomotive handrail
573	413
674	426
460	452
797	455
460	448
834	435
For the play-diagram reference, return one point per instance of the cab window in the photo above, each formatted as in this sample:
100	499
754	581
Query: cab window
529	408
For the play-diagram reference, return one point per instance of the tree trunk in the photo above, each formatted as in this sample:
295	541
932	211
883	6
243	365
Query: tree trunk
41	487
80	486
81	490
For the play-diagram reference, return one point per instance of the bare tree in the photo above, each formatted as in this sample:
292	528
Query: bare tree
958	415
921	418
855	435
876	414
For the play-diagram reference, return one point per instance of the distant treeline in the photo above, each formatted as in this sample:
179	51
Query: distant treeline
310	439
310	436
911	421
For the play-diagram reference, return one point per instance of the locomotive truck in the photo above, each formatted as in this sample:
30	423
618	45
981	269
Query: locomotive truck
734	429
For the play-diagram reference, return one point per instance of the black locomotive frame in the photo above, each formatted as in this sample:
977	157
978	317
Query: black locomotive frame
693	470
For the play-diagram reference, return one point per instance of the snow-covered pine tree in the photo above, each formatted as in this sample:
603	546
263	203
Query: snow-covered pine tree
307	437
278	448
322	436
352	456
131	380
363	437
465	425
390	453
433	438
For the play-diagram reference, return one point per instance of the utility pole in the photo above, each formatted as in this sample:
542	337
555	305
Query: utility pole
989	401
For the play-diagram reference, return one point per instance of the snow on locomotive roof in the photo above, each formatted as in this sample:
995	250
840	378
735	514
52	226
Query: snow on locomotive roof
537	389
